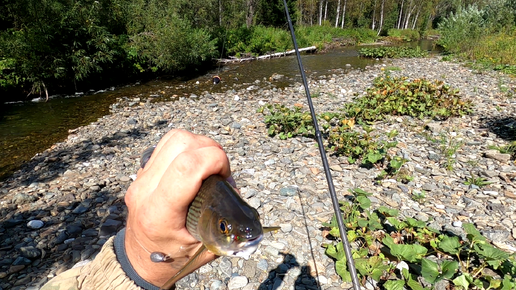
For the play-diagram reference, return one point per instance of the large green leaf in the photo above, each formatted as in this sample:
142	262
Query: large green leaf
472	233
494	257
463	280
450	245
388	212
429	270
411	253
342	269
394	285
364	202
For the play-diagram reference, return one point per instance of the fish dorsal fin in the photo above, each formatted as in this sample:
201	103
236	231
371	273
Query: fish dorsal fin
190	266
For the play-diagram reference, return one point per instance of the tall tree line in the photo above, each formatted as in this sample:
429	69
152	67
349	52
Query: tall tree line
63	42
379	14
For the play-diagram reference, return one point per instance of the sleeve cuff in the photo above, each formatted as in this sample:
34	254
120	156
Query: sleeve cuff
121	255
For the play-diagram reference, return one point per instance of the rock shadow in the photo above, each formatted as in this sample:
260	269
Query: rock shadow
303	280
76	222
504	127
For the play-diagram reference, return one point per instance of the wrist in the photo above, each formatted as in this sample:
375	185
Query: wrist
136	263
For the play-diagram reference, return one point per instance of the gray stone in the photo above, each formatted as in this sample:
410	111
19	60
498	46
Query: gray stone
21	261
30	252
215	284
23	198
237	282
262	265
496	155
35	224
286	228
109	227
289	191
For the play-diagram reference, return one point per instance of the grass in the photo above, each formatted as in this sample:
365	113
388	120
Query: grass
476	180
492	52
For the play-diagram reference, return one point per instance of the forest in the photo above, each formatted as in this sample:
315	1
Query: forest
62	45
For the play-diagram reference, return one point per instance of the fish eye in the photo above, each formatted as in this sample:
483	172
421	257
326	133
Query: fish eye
224	226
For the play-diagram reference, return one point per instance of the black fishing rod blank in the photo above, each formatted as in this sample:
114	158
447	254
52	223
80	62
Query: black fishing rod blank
331	187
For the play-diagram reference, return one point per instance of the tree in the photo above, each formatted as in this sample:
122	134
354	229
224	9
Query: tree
272	13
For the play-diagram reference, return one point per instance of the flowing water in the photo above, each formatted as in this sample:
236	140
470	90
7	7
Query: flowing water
30	127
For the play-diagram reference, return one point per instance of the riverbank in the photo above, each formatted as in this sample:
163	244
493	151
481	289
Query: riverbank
76	187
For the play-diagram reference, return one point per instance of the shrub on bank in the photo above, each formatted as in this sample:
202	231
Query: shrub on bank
404	34
259	39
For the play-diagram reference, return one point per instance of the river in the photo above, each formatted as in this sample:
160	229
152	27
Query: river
30	127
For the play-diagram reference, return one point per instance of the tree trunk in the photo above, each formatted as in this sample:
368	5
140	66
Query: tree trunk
338	11
343	13
417	16
220	13
381	18
400	15
374	15
410	9
326	11
250	12
320	11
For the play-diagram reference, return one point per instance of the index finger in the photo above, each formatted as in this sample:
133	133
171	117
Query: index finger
170	146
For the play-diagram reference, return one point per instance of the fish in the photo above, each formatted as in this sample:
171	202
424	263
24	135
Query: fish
221	220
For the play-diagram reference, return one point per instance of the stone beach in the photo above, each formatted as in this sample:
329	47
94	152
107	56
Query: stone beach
62	206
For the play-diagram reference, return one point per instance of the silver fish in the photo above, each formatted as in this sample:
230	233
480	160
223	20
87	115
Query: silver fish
220	219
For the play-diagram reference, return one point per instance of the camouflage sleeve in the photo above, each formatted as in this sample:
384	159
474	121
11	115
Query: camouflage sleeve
104	272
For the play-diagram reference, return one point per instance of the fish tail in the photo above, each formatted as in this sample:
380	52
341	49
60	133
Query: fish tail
270	229
189	267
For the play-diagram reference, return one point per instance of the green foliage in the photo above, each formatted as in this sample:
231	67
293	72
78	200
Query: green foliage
448	145
404	34
165	41
476	180
357	145
507	149
287	123
417	98
259	39
53	40
462	29
431	254
392	52
272	12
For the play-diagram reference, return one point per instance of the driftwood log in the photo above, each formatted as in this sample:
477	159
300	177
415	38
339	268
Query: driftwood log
266	56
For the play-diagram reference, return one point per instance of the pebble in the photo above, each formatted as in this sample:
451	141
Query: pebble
35	224
65	211
237	282
457	224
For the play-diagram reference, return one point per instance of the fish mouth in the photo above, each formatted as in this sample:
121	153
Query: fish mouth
245	250
252	242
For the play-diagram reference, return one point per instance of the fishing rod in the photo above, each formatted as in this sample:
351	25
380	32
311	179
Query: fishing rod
329	180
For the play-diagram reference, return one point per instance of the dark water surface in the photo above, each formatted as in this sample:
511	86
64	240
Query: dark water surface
31	127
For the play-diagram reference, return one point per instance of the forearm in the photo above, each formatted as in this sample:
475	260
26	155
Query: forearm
104	272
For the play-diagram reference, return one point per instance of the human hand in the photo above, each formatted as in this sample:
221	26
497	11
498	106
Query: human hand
158	202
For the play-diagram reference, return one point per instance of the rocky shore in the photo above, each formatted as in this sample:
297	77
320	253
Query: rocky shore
60	208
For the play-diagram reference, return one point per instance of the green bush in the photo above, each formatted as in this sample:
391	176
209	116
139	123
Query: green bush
417	98
392	52
462	29
404	34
